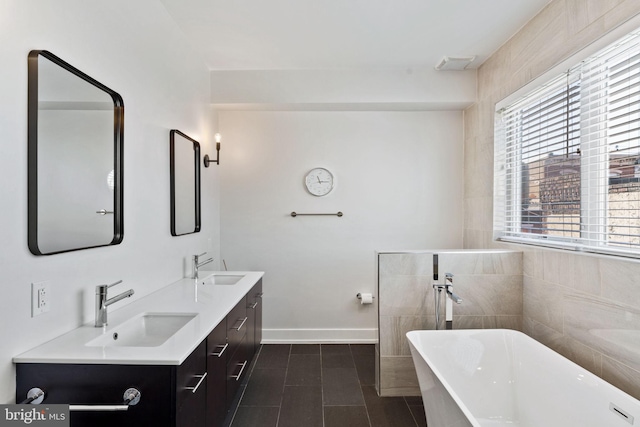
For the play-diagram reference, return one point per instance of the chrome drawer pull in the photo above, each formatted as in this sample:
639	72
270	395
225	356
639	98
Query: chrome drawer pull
221	351
194	389
241	324
259	295
254	305
237	377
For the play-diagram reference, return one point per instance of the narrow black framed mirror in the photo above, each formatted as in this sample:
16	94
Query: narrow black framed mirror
185	183
75	158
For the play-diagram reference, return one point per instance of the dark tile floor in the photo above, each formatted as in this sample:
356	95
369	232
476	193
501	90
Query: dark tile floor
313	385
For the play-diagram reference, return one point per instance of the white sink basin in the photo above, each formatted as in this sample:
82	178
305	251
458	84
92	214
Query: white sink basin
145	330
222	279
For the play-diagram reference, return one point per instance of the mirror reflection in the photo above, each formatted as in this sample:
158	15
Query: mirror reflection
75	158
185	184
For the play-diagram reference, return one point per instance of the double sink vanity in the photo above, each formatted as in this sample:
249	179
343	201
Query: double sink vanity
186	348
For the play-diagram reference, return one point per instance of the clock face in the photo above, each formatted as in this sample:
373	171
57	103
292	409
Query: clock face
319	182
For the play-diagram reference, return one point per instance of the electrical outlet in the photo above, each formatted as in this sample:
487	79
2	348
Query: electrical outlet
40	298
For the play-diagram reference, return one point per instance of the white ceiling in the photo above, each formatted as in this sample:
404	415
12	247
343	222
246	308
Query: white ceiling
352	34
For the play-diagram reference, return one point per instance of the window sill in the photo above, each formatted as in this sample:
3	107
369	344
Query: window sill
571	247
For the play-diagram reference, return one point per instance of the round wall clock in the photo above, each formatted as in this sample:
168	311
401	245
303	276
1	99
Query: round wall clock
319	181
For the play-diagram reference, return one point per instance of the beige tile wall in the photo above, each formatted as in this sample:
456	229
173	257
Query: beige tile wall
585	307
489	282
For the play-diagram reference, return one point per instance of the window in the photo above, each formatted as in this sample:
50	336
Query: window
567	157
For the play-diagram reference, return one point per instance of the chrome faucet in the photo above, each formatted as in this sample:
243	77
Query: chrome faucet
449	286
102	302
450	297
197	264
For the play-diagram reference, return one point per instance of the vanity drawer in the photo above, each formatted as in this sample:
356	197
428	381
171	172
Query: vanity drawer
93	384
217	356
237	325
191	389
237	369
254	312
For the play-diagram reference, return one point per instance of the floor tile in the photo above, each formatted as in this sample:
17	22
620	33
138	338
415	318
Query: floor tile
313	385
346	416
418	414
264	388
369	349
337	360
273	356
252	416
301	406
305	349
340	386
413	400
335	348
236	399
387	411
304	369
366	367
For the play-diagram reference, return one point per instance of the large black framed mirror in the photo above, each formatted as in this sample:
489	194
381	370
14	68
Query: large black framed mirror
75	158
185	183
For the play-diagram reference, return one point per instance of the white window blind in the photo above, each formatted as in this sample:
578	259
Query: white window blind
567	157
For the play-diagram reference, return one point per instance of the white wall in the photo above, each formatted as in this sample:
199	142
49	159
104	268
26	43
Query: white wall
136	49
566	294
399	183
344	89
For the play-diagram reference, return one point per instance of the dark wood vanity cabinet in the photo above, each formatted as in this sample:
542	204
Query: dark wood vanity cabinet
230	349
237	363
217	353
171	396
237	323
191	389
254	313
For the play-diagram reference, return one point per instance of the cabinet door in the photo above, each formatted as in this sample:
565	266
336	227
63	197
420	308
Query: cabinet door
217	356
254	314
237	368
237	325
191	389
257	291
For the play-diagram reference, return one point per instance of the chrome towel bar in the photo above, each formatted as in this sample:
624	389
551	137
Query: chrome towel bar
34	396
98	408
130	397
295	214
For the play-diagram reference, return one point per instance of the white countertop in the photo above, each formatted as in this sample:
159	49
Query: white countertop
210	302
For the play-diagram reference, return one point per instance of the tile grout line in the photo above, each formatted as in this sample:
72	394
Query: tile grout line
366	408
321	386
415	421
323	406
284	385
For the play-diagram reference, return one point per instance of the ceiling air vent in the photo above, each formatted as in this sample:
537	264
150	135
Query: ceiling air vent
454	64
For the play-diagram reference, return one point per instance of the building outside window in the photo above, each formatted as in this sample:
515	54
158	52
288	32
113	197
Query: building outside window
567	157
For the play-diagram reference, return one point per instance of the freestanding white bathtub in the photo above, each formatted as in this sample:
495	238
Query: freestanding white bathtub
498	377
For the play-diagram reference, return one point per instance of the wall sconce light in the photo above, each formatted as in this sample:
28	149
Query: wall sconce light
207	160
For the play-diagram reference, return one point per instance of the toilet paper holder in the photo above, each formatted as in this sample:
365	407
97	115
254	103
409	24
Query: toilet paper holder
359	296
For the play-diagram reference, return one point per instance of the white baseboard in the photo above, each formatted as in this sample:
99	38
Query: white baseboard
319	336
